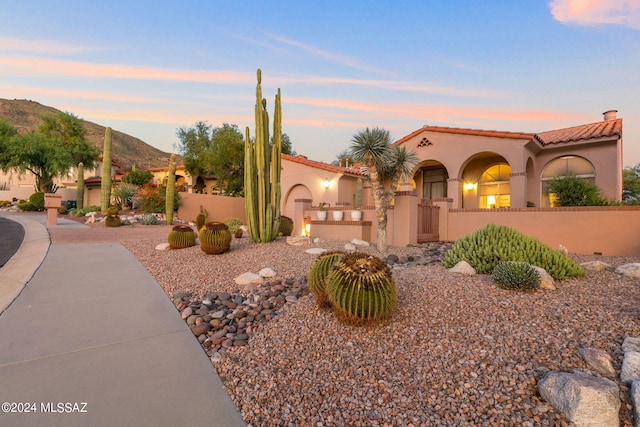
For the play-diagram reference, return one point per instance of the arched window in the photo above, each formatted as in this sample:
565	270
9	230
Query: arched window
564	166
494	187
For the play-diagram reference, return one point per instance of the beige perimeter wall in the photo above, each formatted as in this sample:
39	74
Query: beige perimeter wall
611	230
218	207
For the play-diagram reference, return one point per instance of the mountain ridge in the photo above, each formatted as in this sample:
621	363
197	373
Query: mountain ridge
127	150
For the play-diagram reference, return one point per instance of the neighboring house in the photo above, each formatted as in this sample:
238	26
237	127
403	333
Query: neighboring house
492	169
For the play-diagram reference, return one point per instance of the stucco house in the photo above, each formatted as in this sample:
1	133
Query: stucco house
493	169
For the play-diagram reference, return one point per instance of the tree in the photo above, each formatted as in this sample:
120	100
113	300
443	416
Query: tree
631	185
384	165
226	159
287	147
195	147
68	131
137	177
45	154
343	157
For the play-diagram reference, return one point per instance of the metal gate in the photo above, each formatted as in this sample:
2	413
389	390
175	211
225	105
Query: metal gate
428	216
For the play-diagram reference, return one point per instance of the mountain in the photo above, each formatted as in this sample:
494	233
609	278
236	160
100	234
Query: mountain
126	149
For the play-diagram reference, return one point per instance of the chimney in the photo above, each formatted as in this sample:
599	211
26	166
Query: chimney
346	162
610	115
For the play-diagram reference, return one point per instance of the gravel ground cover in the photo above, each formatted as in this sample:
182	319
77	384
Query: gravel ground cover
457	352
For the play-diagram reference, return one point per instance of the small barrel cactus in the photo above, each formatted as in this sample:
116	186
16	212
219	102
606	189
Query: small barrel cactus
318	274
362	289
215	238
112	219
286	226
516	275
181	236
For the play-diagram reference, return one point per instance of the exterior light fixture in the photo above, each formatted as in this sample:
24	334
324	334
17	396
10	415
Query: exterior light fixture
469	186
326	183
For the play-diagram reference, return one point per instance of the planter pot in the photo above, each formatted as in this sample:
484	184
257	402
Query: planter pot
322	215
337	215
356	215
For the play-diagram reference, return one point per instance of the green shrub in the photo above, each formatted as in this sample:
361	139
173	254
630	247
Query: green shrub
84	211
491	244
148	219
574	191
516	275
27	207
152	198
233	224
361	289
37	200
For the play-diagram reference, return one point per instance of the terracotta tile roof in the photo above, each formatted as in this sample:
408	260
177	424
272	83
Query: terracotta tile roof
164	168
320	165
466	131
597	130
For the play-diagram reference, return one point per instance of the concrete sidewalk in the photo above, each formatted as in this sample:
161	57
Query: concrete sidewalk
92	331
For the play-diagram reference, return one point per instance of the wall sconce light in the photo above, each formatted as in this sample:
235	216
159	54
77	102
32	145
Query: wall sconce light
306	226
326	183
469	186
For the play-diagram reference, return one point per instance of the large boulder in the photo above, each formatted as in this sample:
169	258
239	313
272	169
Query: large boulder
630	370
546	281
586	400
631	344
629	270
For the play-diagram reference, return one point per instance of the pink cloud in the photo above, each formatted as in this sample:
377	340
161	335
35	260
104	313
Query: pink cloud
9	44
595	12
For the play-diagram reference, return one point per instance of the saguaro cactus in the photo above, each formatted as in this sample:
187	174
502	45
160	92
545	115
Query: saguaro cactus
171	190
80	187
105	187
262	165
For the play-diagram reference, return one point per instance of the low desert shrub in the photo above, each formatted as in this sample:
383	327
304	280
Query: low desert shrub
516	275
27	207
493	243
37	200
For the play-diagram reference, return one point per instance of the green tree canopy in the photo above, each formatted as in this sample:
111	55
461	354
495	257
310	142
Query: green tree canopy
218	152
58	146
631	185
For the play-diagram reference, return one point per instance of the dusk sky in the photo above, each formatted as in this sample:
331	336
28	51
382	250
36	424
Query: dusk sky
149	67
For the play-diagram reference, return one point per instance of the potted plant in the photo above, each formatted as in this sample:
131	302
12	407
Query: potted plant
337	214
322	212
356	213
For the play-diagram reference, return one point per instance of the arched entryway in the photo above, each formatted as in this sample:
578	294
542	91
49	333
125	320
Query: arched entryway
431	180
486	182
298	191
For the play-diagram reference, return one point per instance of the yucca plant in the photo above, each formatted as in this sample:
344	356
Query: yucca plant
286	226
318	274
215	238
516	275
362	289
181	236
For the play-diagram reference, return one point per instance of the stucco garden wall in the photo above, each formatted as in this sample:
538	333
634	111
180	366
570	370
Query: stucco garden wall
218	207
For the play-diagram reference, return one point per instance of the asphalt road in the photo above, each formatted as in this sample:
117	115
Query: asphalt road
11	236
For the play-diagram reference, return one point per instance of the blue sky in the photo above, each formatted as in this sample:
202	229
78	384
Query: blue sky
149	67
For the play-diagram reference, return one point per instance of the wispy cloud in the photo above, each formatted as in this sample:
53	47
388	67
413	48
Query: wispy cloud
56	47
338	58
595	12
37	91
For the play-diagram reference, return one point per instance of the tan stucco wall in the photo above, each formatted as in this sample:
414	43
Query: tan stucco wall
611	230
219	208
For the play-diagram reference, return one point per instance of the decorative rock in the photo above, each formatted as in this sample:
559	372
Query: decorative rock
298	240
635	400
359	242
630	370
563	250
250	288
631	344
463	267
200	329
586	400
218	314
247	278
186	313
317	241
267	272
316	251
598	360
629	270
546	281
291	298
162	247
216	357
595	265
349	247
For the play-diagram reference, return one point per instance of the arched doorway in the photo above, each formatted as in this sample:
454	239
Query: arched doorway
431	180
298	191
486	182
